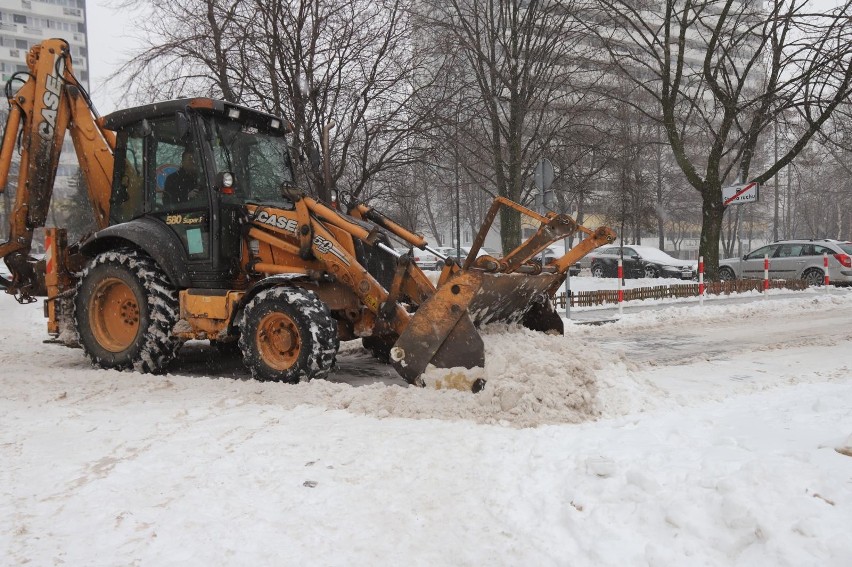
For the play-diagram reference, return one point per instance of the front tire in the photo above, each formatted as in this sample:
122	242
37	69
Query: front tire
597	271
124	311
726	274
288	335
651	272
814	277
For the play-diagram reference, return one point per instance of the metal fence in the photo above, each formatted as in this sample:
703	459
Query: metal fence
598	297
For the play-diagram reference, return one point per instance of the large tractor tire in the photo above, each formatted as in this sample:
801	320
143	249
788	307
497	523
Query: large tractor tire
288	335
124	312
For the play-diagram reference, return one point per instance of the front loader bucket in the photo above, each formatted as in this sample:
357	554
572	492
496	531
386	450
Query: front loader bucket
443	331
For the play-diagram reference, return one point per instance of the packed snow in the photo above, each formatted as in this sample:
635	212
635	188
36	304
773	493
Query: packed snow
678	434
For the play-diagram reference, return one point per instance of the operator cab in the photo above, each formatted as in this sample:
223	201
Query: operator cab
192	165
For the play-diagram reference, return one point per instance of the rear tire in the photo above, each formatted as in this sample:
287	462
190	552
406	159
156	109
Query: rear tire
288	335
597	271
726	274
124	311
651	272
814	277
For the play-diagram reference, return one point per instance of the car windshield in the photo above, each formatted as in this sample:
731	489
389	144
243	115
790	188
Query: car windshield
259	160
846	247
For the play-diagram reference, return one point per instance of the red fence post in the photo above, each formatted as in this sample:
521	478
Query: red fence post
620	291
701	280
825	265
765	274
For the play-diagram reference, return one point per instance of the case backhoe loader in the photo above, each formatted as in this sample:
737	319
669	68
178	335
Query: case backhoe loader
202	234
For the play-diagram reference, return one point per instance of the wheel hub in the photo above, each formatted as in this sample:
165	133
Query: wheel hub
114	315
279	341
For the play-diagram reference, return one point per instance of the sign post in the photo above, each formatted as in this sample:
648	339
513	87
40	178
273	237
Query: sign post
545	201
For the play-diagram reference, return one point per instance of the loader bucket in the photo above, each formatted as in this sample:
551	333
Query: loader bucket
443	331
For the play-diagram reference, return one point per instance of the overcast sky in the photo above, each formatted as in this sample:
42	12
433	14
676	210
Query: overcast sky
111	37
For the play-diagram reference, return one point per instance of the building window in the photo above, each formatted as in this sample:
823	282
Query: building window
21	44
19	19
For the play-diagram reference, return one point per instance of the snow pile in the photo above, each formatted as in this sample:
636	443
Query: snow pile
714	437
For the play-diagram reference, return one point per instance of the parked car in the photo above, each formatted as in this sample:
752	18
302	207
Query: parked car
794	259
640	262
422	258
452	252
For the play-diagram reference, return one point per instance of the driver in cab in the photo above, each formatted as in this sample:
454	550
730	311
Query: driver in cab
182	186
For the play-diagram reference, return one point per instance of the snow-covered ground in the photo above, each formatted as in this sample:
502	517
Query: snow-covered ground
714	435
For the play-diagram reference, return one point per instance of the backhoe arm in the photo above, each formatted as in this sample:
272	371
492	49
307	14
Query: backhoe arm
50	102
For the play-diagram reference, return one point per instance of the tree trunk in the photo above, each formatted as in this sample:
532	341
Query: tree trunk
712	212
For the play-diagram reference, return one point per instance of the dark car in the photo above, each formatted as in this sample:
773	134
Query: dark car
640	262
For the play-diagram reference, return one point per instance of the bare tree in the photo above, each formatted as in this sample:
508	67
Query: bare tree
516	74
344	66
721	73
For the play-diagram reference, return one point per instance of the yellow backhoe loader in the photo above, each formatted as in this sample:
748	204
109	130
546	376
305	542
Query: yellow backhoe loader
202	234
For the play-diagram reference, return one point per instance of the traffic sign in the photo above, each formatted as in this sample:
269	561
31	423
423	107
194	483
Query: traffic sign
738	194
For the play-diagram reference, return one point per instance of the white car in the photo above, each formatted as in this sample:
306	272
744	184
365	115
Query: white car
422	258
794	259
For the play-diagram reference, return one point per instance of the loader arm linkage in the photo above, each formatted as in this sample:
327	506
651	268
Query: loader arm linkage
317	241
50	102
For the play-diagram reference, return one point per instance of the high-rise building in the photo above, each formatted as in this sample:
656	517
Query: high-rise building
24	23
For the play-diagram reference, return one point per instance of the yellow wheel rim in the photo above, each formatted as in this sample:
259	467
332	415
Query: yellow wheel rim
114	315
278	341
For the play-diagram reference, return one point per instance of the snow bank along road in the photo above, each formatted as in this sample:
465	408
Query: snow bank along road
719	435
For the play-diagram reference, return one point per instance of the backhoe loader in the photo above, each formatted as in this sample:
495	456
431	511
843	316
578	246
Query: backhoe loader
203	234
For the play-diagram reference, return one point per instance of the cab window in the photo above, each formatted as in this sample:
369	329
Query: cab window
177	179
127	198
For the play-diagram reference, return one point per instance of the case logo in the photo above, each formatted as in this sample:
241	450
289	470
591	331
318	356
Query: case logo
52	89
281	222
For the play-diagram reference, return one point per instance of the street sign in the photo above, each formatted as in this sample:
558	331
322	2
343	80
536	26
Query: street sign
738	194
544	175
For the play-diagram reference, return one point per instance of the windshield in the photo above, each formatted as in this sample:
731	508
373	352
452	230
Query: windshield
258	159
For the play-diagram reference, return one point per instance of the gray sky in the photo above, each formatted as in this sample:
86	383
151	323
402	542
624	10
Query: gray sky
110	38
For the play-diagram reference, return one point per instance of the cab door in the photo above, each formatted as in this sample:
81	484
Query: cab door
178	192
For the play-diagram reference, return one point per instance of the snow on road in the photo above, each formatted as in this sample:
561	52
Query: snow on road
719	435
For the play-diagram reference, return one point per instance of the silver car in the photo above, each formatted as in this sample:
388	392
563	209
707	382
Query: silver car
794	259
